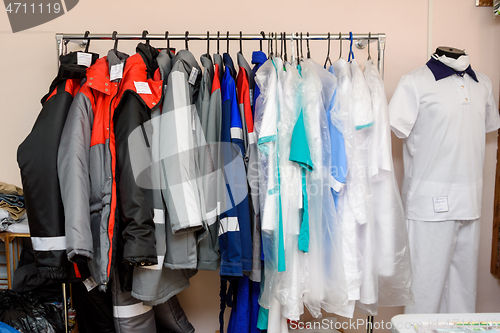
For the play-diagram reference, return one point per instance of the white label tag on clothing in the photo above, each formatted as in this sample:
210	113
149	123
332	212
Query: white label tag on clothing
440	204
251	97
84	59
142	88
116	72
90	283
159	216
193	76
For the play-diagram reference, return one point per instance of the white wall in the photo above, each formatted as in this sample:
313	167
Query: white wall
29	64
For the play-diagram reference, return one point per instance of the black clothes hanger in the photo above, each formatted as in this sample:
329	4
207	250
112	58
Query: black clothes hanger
328	60
301	54
144	36
298	56
263	37
116	40
241	42
227	40
270	43
369	38
186	38
308	50
284	43
208	43
88	41
218	41
276	43
340	39
450	52
168	41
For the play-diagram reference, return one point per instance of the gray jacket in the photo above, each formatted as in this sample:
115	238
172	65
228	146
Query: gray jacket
158	283
251	163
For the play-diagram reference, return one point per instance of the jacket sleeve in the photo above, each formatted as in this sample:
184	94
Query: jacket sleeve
136	203
182	193
73	172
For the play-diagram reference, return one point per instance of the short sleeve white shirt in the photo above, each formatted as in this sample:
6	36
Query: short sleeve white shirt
443	123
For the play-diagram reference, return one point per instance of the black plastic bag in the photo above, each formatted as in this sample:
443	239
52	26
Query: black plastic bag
25	312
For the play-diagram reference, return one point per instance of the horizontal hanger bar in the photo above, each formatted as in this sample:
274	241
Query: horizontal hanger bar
223	36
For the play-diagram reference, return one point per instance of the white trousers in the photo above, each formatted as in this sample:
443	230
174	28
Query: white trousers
444	261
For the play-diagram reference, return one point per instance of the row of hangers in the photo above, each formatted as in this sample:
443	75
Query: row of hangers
272	36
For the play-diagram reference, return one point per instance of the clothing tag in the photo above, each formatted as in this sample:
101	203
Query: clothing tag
159	216
440	204
251	97
90	283
116	72
193	75
84	59
142	88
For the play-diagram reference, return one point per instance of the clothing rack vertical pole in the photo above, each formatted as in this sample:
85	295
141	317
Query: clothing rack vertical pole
370	324
381	55
65	307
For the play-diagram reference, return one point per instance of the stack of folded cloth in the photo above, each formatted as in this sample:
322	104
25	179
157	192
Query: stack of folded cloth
12	210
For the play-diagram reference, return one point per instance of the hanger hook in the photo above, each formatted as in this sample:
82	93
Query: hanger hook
144	36
115	39
298	55
369	38
88	41
284	43
186	38
241	42
308	51
351	54
227	41
276	44
340	39
281	45
218	40
328	54
168	41
208	43
301	54
263	34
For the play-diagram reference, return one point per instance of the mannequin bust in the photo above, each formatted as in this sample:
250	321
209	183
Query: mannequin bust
450	52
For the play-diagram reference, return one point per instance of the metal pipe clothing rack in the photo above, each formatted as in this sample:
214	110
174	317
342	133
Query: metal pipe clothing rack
361	39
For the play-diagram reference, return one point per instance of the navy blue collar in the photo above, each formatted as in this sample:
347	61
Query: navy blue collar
442	71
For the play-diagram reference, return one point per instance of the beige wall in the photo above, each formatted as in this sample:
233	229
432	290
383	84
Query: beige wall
29	63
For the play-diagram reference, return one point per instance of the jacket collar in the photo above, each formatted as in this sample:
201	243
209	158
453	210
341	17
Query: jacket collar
206	61
441	71
164	60
228	63
218	61
258	58
242	62
98	74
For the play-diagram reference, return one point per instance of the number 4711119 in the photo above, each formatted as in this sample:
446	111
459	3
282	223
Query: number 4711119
24	8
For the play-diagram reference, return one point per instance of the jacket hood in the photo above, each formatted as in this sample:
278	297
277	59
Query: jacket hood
184	61
69	69
149	55
258	57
